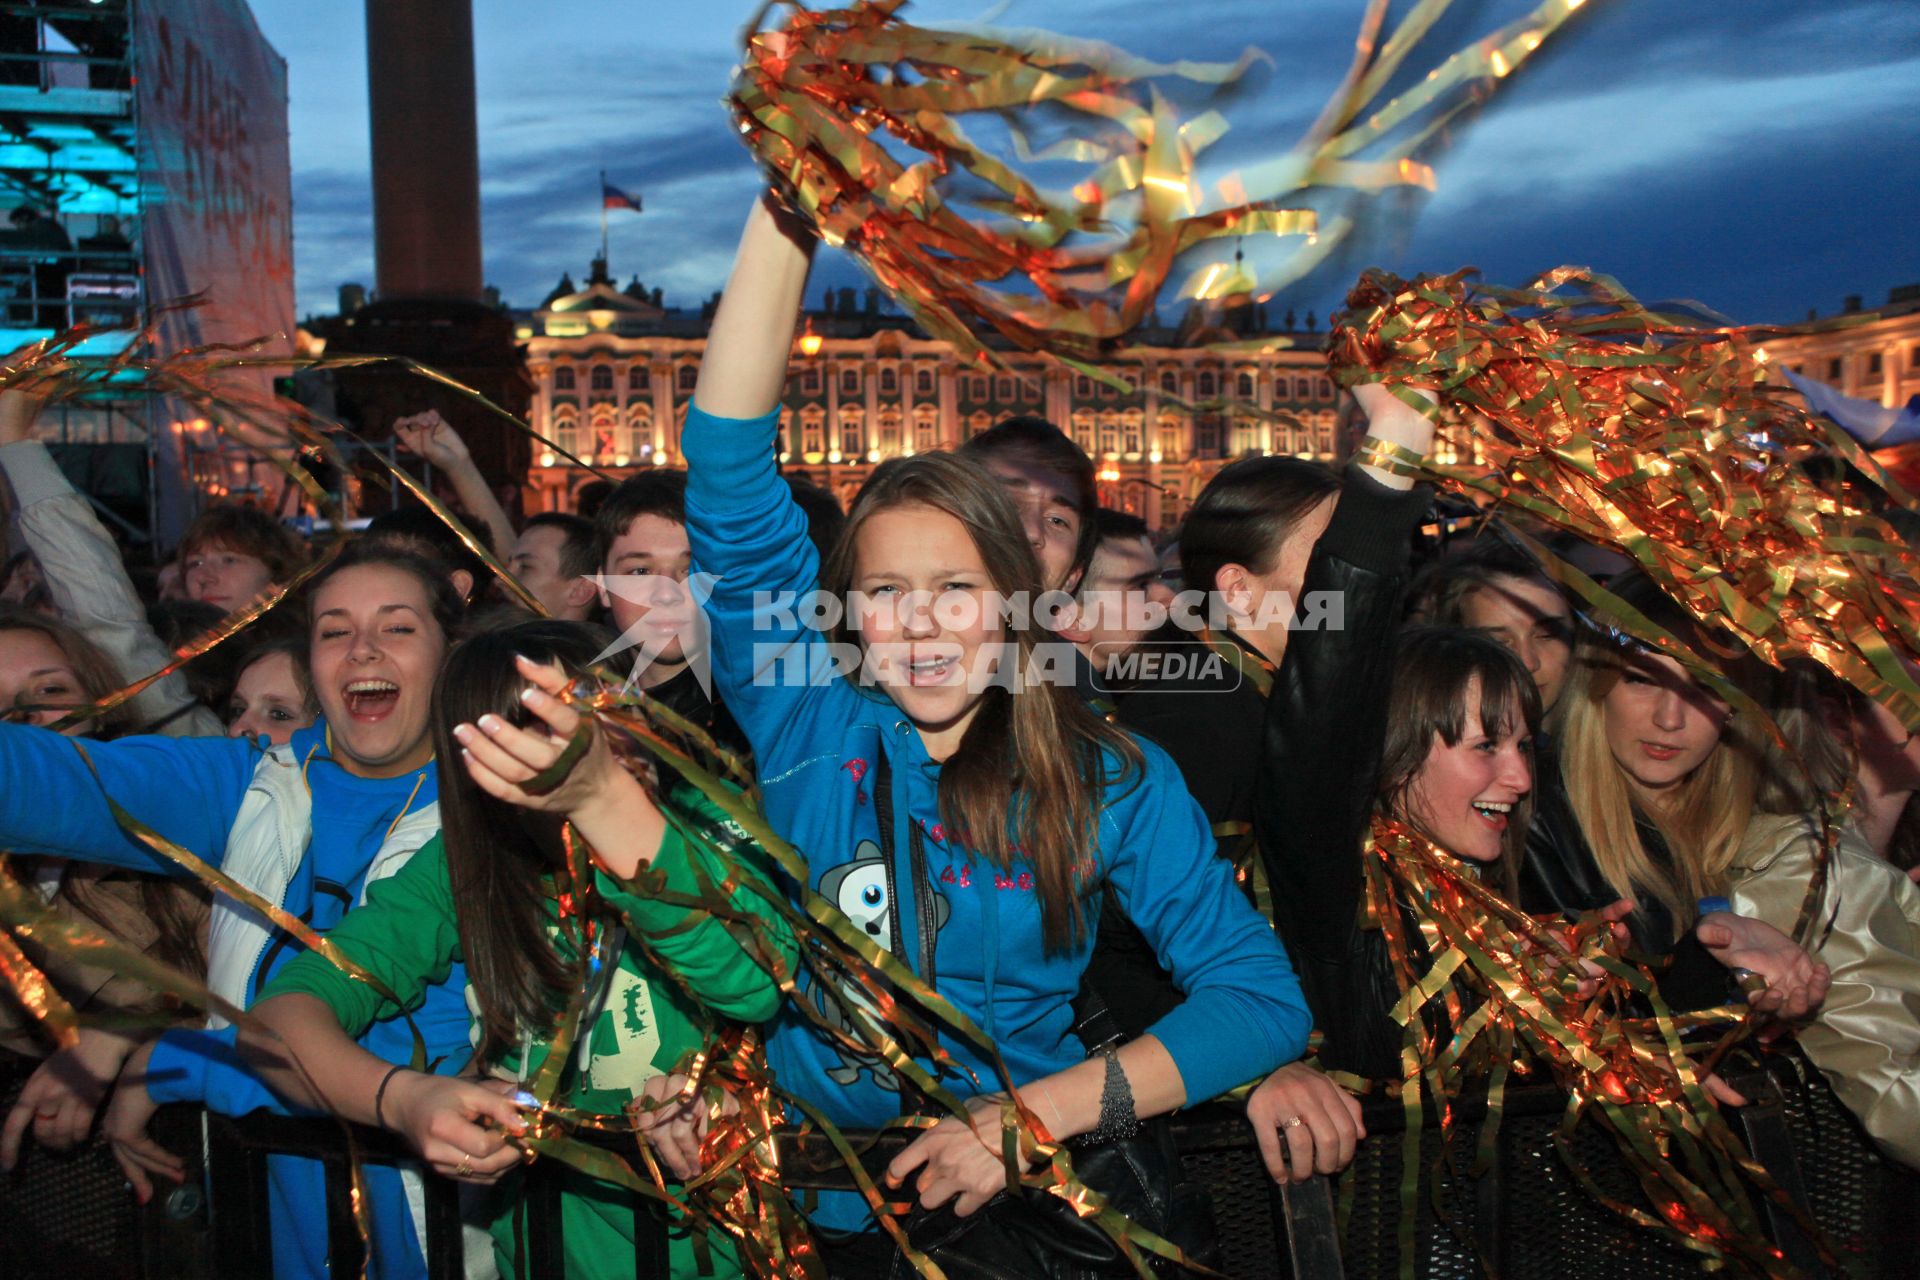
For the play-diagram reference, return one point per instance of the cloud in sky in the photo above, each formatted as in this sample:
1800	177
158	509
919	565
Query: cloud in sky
1750	155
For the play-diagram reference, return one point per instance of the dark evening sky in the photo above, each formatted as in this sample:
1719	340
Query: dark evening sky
1758	156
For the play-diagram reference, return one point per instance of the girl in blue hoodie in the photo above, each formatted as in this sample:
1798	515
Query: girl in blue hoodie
306	826
960	806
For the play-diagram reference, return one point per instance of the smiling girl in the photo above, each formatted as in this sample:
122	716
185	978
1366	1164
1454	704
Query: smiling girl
969	818
306	826
490	892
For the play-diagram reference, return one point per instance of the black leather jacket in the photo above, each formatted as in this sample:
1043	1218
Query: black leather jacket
1560	874
1326	722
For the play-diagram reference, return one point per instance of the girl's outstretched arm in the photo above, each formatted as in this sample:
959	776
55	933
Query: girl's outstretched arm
745	365
460	1126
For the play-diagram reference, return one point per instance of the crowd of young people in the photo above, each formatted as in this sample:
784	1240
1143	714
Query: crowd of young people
1071	847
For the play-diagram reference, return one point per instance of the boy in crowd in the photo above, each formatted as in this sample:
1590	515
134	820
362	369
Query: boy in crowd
1122	586
555	558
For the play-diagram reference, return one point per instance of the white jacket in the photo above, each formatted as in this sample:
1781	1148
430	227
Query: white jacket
264	848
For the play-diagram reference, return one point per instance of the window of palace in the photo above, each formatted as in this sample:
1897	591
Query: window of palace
600	378
1170	382
810	380
1130	431
1083	429
1246	437
1875	366
926	429
1172	434
1243	386
853	433
1207	386
850	380
639	378
923	382
889	380
813	430
685	377
566	428
1836	369
563	378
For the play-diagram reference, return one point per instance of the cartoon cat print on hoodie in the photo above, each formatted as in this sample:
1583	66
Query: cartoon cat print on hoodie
859	888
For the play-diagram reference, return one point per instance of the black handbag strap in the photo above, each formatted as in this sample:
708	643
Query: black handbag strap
1093	1022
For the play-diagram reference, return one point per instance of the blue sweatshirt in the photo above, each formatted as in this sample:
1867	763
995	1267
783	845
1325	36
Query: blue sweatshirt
190	790
817	743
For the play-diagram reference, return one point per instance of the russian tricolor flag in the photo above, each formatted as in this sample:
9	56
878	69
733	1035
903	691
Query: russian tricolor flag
612	197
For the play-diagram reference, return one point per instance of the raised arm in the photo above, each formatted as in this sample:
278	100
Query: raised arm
432	437
745	364
749	537
1326	716
85	574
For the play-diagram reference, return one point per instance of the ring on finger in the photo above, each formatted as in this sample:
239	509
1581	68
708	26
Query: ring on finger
464	1168
1292	1122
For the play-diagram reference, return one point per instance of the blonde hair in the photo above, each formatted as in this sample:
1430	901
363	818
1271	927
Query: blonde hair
1703	822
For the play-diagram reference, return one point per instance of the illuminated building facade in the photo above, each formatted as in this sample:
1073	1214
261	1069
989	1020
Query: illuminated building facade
1876	359
614	371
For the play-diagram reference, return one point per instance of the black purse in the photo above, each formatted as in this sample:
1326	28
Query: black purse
1034	1235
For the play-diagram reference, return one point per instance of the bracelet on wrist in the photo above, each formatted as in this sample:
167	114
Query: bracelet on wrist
380	1095
1394	459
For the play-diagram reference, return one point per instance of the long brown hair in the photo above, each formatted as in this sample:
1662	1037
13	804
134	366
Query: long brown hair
1707	818
499	855
1028	777
1435	670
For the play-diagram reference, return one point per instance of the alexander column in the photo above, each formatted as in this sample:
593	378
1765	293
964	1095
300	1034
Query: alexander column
429	290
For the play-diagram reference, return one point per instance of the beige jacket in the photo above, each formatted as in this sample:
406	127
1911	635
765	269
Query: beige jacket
1866	928
115	906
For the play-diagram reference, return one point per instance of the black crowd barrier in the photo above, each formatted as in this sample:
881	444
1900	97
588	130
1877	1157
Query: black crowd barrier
1525	1218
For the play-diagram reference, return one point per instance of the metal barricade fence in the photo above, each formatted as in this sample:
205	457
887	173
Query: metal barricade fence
1527	1217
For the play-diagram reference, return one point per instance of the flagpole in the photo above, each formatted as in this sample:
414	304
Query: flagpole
603	218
